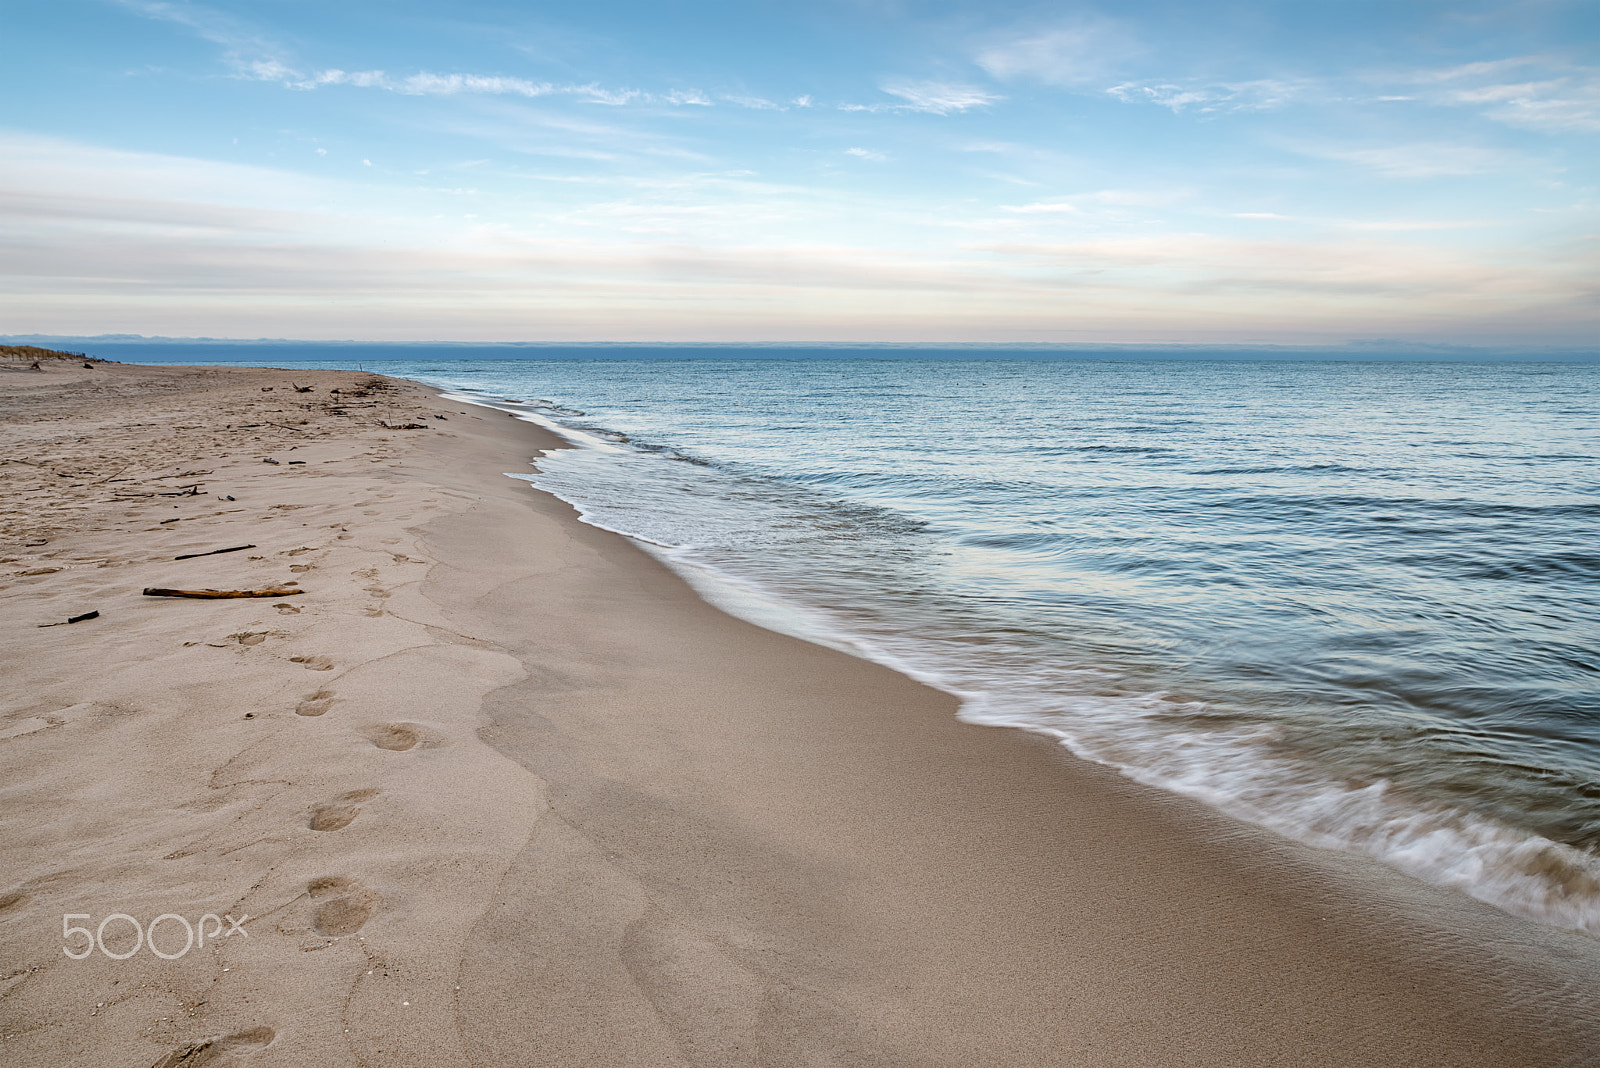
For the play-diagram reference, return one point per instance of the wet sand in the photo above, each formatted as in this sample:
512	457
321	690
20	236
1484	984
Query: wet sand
499	789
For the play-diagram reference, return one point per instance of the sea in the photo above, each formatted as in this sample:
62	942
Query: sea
1356	602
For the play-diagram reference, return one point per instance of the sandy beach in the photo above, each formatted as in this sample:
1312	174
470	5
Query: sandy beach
497	788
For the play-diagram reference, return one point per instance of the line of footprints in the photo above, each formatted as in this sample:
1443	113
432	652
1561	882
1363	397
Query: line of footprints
342	904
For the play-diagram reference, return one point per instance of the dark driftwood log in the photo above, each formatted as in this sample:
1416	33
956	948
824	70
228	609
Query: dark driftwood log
213	552
152	591
75	619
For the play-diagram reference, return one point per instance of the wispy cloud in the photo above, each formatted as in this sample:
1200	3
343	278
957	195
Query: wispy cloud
1073	53
252	55
866	154
1366	225
1382	272
1419	160
1556	105
1262	94
934	98
246	49
1114	201
1531	92
754	103
693	97
427	83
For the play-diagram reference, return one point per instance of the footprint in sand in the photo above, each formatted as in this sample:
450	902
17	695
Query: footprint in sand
396	737
300	569
332	817
337	815
343	904
316	704
250	637
12	900
219	1052
287	609
313	663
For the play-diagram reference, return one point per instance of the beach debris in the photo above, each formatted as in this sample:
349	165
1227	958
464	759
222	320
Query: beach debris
213	552
268	460
302	389
74	619
402	426
156	591
440	417
182	491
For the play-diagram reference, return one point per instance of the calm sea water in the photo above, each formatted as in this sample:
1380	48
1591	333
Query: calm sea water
1358	603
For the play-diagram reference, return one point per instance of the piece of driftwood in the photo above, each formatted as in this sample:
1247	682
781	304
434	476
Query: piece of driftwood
74	619
213	552
153	591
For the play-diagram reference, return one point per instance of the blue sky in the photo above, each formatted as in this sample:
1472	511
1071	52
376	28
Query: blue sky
1306	172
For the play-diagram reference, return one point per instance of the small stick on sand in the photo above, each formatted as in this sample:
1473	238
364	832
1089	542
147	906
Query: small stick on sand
153	591
74	619
213	552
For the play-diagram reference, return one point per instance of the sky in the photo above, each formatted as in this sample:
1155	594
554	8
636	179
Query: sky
1306	172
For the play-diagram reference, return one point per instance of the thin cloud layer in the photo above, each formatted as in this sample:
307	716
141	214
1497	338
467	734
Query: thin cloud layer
1079	52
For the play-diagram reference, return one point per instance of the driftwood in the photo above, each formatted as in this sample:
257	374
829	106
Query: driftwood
74	619
153	591
213	552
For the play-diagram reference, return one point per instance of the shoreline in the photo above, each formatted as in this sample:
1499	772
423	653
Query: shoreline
630	828
1513	868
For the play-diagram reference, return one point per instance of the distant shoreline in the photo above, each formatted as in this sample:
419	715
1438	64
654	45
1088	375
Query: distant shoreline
195	351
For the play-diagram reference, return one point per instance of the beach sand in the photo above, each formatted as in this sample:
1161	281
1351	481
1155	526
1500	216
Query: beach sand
498	789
